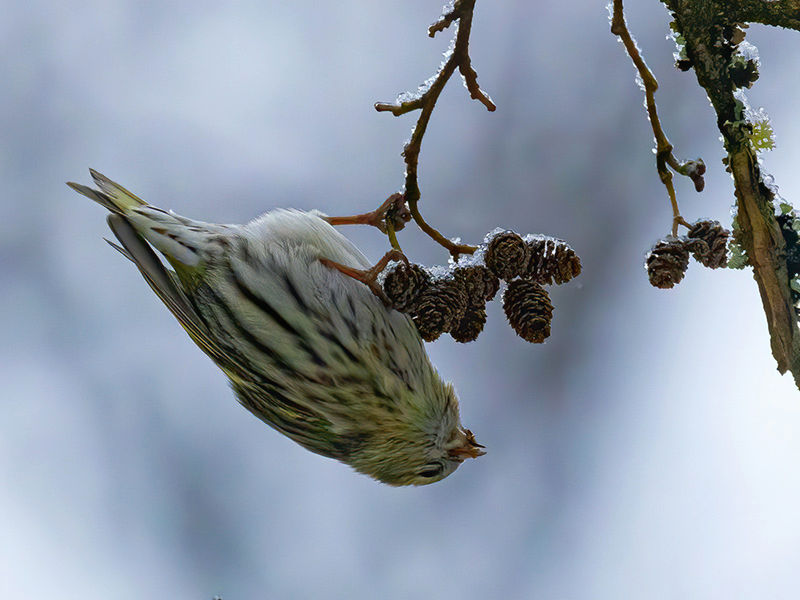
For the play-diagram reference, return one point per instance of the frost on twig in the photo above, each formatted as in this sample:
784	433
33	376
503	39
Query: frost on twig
711	33
453	299
449	15
664	156
424	100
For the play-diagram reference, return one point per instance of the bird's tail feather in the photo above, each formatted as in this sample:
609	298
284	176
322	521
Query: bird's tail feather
178	238
111	195
164	284
131	222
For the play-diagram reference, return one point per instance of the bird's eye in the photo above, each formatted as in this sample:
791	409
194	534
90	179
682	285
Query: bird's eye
433	471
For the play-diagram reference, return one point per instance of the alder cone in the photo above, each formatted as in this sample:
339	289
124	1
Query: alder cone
551	261
403	284
438	308
715	252
479	282
506	255
470	326
528	310
667	262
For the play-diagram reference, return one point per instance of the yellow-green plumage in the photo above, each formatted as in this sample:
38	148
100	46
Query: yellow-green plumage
311	352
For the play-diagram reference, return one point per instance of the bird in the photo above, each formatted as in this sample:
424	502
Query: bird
310	351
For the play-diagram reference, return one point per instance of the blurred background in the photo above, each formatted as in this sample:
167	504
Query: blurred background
648	450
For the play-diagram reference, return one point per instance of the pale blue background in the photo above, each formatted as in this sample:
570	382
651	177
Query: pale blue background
648	450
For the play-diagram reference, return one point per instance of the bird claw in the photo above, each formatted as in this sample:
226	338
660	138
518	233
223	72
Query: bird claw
393	209
369	277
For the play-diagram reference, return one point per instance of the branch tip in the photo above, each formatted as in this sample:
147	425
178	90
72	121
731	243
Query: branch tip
458	58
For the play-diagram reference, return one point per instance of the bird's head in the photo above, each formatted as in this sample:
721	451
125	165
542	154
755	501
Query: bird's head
423	446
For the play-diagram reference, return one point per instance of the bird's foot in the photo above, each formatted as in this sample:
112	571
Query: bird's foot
369	277
393	209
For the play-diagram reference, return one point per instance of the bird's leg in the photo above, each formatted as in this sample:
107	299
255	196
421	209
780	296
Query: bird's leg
393	208
368	277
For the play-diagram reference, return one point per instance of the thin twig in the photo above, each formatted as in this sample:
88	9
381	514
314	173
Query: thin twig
664	156
392	235
465	63
458	58
445	20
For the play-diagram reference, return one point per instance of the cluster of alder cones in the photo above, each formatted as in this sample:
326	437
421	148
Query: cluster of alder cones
707	242
454	300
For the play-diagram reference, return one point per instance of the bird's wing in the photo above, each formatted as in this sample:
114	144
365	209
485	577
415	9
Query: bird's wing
165	285
297	420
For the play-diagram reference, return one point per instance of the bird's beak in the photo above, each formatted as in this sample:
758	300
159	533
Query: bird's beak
468	448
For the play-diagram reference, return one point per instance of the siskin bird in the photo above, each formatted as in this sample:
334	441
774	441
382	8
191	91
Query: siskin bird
309	351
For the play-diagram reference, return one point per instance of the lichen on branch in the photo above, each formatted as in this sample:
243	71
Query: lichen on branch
779	13
710	30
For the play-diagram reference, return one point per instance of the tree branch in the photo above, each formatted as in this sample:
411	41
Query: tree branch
664	156
779	13
425	101
708	27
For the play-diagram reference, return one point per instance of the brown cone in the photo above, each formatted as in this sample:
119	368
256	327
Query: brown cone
438	308
479	282
506	255
528	310
403	284
715	236
470	326
667	262
551	261
698	249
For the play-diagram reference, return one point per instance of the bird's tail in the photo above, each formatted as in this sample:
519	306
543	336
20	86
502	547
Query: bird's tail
183	241
136	225
110	195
